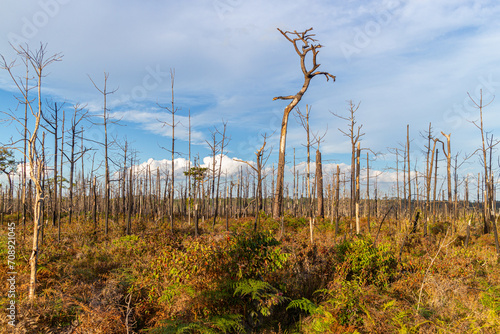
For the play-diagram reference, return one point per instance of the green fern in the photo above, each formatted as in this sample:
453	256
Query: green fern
230	323
303	304
256	289
262	294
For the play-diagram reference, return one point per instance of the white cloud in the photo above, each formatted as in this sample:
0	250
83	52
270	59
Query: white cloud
163	166
229	166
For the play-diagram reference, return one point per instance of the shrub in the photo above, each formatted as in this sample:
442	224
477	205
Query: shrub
195	282
365	263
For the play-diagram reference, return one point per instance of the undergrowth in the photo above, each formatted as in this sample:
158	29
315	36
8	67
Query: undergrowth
242	281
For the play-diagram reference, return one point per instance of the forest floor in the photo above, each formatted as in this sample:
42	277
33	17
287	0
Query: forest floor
239	281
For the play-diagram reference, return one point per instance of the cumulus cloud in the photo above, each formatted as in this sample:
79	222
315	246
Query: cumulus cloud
229	166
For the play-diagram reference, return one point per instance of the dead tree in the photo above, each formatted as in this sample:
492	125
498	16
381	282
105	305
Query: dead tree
105	121
52	127
303	43
354	134
320	211
409	168
398	196
223	143
368	192
428	176
214	147
356	195
435	189
24	100
124	174
38	62
189	168
260	164
488	177
304	121
7	166
79	115
172	110
61	179
337	201
319	185
447	153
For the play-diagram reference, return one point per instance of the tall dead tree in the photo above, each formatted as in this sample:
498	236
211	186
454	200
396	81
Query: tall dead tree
105	120
303	43
483	150
38	62
52	127
259	165
447	153
214	146
428	177
61	179
24	100
124	147
172	110
434	198
223	143
337	200
304	121
356	195
368	192
188	176
409	168
396	152
75	132
354	134
319	185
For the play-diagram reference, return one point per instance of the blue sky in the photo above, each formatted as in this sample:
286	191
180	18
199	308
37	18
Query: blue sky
407	62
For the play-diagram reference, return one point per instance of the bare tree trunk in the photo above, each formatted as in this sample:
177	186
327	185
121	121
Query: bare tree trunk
304	119
447	153
37	168
54	125
435	188
223	144
130	202
487	186
409	170
337	201
82	149
25	142
429	179
106	162
368	191
307	40
356	195
94	207
172	191
319	185
189	169
105	118
61	181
